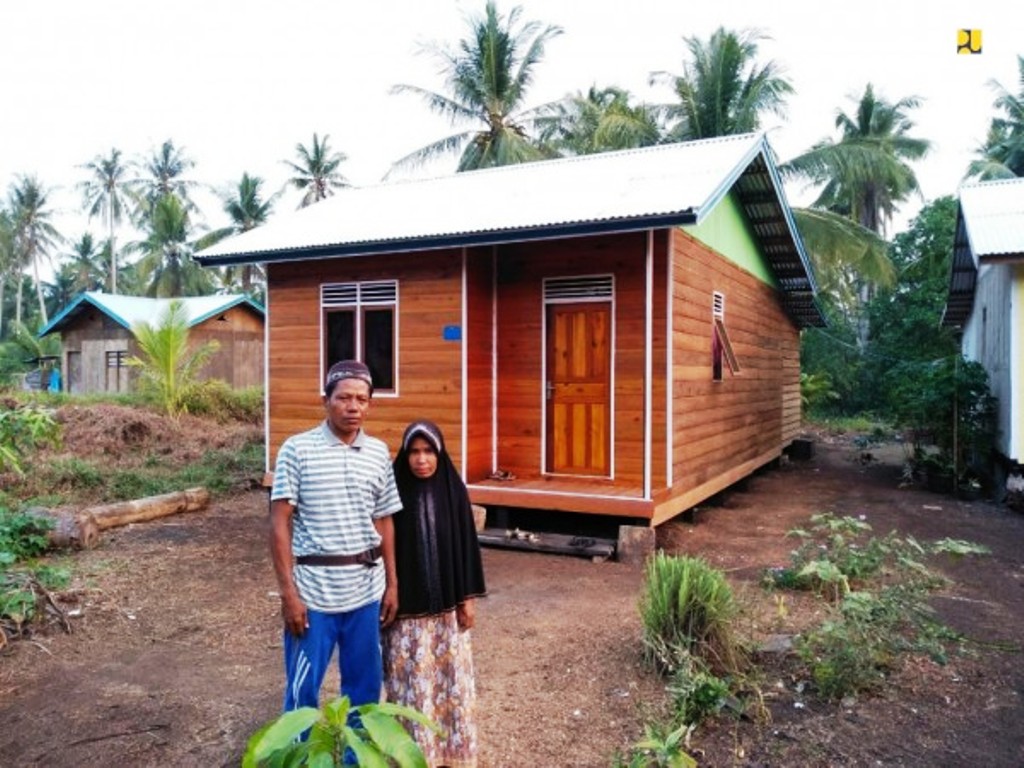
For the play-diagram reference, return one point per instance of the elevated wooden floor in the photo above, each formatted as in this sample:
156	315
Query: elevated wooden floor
563	494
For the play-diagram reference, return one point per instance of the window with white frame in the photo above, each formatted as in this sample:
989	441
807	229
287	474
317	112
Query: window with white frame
360	323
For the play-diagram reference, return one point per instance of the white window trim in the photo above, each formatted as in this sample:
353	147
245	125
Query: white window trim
365	295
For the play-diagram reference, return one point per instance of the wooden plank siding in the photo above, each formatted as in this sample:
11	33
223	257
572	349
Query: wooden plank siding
723	430
91	336
521	270
479	340
429	367
239	357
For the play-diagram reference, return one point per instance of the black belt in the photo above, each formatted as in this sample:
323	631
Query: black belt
367	558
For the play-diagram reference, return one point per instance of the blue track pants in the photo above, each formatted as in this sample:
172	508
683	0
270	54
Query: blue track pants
356	634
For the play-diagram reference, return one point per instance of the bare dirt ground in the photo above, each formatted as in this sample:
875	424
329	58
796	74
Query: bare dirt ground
174	654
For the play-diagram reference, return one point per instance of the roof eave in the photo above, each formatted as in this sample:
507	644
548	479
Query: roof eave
462	240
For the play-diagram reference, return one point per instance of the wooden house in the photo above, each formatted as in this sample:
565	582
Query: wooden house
97	340
615	334
986	299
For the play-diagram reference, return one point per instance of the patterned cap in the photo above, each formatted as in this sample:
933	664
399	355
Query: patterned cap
347	369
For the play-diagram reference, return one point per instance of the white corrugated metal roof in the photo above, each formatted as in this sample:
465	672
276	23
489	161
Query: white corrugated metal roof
641	183
993	213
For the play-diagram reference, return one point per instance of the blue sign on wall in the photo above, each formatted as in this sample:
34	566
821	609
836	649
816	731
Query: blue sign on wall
452	333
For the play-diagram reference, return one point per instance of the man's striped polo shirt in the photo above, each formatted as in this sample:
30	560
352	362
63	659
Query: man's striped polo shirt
338	490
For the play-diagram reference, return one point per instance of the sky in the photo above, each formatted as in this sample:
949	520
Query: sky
237	85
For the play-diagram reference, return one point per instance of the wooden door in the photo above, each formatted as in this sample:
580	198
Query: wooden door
579	388
73	375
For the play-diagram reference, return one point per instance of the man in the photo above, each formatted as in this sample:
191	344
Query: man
332	544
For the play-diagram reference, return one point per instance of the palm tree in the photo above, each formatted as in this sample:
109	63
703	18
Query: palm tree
247	210
722	90
844	255
602	120
166	266
1002	156
85	264
169	366
316	173
62	289
866	173
34	232
105	195
163	174
487	76
7	258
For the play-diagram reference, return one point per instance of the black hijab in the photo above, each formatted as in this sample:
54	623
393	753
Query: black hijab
436	549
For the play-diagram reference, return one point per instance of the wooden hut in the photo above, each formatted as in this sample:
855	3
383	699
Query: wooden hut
97	340
615	334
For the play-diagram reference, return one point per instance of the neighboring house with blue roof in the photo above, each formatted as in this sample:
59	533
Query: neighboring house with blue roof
97	339
615	334
986	300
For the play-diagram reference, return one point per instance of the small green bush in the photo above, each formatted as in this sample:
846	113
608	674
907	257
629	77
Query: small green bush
215	398
22	536
661	747
687	609
22	430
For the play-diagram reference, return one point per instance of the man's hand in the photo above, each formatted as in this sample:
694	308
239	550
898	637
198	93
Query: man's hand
293	611
389	605
465	614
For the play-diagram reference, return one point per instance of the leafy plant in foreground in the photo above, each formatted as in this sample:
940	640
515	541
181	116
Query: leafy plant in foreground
374	735
661	747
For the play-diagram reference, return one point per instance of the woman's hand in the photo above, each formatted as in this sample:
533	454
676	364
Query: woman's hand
465	614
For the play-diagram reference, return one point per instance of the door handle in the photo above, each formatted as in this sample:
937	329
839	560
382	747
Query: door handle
550	389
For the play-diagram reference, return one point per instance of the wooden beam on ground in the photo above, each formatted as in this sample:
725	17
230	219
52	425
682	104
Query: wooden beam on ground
583	546
148	508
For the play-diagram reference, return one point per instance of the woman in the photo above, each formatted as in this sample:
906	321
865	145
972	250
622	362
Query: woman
428	659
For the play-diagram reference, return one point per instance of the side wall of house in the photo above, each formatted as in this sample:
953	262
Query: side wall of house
988	339
723	430
239	357
429	367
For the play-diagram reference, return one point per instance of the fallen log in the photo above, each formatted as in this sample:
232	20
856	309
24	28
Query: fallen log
80	529
148	508
70	529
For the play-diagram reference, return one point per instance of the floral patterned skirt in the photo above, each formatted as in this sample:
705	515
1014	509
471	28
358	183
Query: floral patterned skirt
428	665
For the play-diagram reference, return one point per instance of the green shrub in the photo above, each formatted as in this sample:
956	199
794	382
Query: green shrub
697	694
74	472
686	609
375	737
215	398
880	588
22	536
23	429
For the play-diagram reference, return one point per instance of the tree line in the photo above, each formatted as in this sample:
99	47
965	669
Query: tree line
863	173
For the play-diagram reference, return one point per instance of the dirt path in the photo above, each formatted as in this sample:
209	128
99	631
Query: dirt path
175	655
